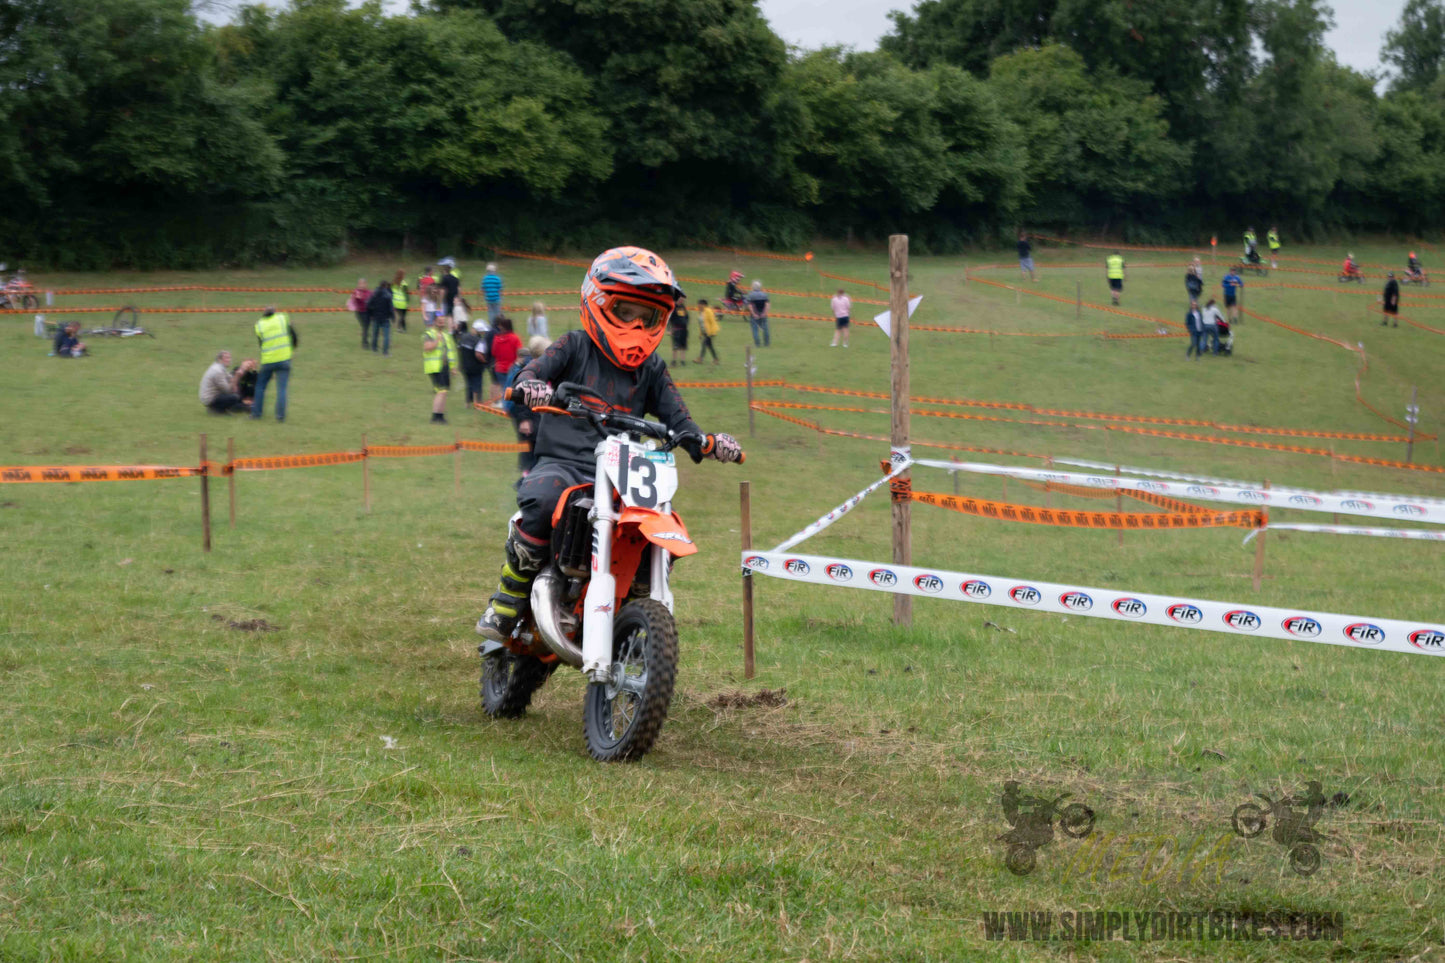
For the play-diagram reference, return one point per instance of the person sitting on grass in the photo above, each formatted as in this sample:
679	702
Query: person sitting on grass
221	388
68	343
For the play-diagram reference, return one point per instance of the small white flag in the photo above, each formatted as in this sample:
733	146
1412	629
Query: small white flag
885	320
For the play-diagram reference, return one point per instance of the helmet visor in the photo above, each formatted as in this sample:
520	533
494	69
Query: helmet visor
630	313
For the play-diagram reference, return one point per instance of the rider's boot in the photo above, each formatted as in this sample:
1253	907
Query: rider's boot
525	558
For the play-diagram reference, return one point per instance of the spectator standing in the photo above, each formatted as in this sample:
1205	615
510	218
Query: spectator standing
67	341
380	309
1026	257
843	316
758	314
220	388
1232	285
1272	238
428	304
449	285
461	311
278	341
360	298
425	280
1391	301
492	293
678	325
1194	324
1194	282
537	322
1212	317
1114	269
438	354
400	299
710	330
523	420
505	347
469	343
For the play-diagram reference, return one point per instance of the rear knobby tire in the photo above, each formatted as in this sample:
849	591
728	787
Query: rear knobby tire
508	681
622	726
30	302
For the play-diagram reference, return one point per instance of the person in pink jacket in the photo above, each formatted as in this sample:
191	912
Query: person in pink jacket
357	304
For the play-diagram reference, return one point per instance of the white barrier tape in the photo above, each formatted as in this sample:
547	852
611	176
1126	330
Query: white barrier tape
1231	483
1352	530
843	509
1416	510
1168	610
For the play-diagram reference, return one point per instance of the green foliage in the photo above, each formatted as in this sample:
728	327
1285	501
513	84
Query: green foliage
1416	48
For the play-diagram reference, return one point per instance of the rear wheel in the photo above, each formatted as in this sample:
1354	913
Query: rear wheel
623	716
508	681
29	302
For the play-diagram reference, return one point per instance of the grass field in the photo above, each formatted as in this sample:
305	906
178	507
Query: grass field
177	785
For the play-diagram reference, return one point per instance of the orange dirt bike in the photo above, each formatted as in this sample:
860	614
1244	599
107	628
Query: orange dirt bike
602	603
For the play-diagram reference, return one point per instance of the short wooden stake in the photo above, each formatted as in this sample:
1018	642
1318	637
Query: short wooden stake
954	473
205	498
752	426
231	476
1119	505
1412	416
1259	548
745	507
365	475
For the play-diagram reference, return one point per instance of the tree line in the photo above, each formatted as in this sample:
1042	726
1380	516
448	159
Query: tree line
133	132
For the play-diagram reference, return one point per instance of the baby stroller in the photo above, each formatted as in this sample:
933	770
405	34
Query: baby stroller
1253	262
732	299
1350	271
1226	337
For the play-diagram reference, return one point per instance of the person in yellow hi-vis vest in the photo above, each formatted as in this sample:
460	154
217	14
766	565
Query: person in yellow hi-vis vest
1114	265
400	299
438	357
278	339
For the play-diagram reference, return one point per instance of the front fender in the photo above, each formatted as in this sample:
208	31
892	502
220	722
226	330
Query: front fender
663	530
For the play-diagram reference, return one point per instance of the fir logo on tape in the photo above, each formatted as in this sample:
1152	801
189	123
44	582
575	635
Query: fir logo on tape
1304	500
1357	504
839	572
976	588
1025	595
1410	511
1303	627
1250	495
1364	633
1130	608
1430	640
1185	614
1243	620
1201	490
757	562
796	566
883	576
1076	601
929	583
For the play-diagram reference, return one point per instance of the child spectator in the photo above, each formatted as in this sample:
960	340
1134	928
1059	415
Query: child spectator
537	321
843	314
709	330
678	325
360	297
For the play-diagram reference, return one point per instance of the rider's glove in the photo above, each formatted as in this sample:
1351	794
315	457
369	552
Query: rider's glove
533	394
725	448
692	443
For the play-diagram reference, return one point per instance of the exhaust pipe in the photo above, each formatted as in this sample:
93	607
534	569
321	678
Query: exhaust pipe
546	613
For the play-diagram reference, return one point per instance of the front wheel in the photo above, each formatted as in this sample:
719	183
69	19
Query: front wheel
623	716
1248	820
508	681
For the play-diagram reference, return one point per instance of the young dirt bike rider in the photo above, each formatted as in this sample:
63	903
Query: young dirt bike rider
627	297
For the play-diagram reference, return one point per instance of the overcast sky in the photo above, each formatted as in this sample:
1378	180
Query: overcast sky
1360	25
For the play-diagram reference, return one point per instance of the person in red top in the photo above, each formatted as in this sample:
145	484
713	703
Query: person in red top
357	304
505	345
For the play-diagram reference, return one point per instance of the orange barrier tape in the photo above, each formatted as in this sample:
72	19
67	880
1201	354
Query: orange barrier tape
495	446
1122	247
1126	521
744	253
761	406
1110	309
86	473
543	257
408	451
276	462
841	277
489	410
1084	491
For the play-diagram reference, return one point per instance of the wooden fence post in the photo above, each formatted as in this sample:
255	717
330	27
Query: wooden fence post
457	466
898	435
231	476
365	475
1259	548
745	508
205	498
1412	417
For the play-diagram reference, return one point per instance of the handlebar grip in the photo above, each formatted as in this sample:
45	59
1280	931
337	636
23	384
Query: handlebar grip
507	394
742	457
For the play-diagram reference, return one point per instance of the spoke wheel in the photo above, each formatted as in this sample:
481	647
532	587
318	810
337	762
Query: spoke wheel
508	681
623	716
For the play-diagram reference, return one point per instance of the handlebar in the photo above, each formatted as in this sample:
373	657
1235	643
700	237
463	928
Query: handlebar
578	401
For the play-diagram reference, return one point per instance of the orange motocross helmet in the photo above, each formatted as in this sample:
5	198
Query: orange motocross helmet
627	298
